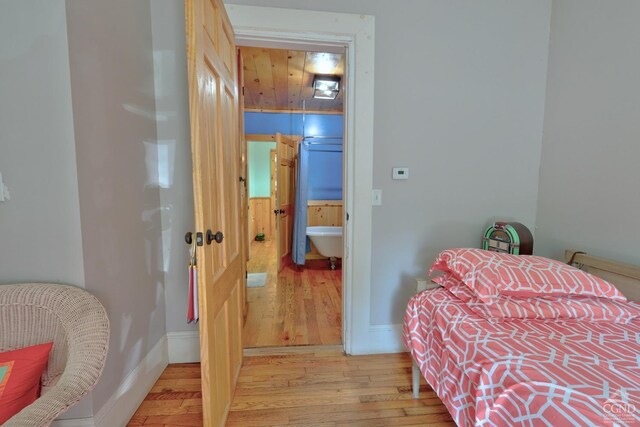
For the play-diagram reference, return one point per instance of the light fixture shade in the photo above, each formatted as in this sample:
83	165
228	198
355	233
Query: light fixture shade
326	86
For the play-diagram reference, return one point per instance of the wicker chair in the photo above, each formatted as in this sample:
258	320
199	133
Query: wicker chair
76	322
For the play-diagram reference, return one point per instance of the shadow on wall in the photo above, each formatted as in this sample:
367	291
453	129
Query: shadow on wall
406	290
439	239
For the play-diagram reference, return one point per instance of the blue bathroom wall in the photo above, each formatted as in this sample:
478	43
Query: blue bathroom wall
291	124
325	164
325	173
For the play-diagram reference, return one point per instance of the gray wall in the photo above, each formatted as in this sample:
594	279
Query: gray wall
174	159
459	100
112	85
40	236
589	177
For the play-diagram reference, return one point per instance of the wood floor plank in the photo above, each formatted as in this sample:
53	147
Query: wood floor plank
318	391
294	307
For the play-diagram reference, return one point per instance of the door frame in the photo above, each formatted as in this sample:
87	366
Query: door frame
308	30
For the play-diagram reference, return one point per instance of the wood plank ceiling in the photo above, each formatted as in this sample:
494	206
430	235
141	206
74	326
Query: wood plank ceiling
278	79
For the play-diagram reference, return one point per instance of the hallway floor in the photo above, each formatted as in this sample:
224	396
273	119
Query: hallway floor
294	307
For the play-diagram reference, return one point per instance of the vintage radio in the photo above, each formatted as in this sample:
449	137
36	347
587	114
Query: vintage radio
508	237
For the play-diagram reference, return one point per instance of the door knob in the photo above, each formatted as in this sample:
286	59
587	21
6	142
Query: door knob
278	211
218	237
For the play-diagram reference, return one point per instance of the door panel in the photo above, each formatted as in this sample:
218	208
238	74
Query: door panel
285	192
272	193
213	103
244	199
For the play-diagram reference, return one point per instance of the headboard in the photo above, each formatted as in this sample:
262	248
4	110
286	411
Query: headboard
625	277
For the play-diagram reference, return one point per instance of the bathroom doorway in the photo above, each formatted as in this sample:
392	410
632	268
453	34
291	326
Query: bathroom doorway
295	180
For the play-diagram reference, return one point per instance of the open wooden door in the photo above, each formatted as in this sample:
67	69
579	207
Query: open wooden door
273	170
213	103
244	178
285	192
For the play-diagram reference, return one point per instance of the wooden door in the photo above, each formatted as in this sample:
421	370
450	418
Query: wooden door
272	193
285	192
244	171
213	103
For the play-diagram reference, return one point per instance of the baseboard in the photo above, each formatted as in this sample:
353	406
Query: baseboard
125	401
380	339
184	347
74	422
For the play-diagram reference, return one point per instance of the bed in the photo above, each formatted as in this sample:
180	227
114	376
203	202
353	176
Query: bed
531	371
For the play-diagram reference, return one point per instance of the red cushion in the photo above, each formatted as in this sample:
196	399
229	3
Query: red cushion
20	385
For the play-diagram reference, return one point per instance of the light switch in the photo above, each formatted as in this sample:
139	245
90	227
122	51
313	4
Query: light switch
400	173
376	197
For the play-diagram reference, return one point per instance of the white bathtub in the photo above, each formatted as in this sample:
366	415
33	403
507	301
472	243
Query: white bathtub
328	240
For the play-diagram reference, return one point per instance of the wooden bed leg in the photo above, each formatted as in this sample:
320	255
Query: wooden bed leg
415	374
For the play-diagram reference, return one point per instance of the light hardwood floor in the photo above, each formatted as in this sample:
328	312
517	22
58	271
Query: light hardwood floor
294	307
320	388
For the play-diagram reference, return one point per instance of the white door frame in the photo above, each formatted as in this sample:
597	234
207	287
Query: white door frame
275	27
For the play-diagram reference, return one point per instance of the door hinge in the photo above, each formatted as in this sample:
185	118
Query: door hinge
246	274
242	90
347	216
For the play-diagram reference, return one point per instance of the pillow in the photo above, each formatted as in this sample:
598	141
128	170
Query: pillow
506	307
490	274
20	372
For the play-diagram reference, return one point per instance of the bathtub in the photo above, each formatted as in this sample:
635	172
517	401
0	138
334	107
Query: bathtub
328	240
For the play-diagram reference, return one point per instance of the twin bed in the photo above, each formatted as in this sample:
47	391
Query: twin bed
527	357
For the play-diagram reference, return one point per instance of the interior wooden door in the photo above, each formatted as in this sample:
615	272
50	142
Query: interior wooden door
285	193
244	171
273	169
213	103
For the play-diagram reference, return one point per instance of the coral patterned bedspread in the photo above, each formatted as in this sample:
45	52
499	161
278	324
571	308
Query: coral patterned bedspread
525	372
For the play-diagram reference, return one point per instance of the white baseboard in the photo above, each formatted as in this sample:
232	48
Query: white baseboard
125	401
74	422
380	339
184	347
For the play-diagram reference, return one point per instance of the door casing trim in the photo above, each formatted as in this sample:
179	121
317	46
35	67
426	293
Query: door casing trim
313	30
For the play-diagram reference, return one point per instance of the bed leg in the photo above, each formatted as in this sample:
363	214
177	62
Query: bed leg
415	374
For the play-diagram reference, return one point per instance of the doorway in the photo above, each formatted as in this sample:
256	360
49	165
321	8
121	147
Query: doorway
290	28
295	175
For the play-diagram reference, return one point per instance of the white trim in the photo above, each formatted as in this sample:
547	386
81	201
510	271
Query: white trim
384	339
75	422
184	347
260	25
125	401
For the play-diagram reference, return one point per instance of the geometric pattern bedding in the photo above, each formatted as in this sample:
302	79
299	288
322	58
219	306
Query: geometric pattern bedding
525	372
506	308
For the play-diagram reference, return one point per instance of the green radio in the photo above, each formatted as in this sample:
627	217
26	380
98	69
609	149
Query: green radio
508	237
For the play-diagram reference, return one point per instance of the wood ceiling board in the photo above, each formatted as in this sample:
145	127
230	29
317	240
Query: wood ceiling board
279	68
277	79
251	81
294	77
267	92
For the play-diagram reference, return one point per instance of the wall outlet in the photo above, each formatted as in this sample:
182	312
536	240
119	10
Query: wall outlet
376	197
